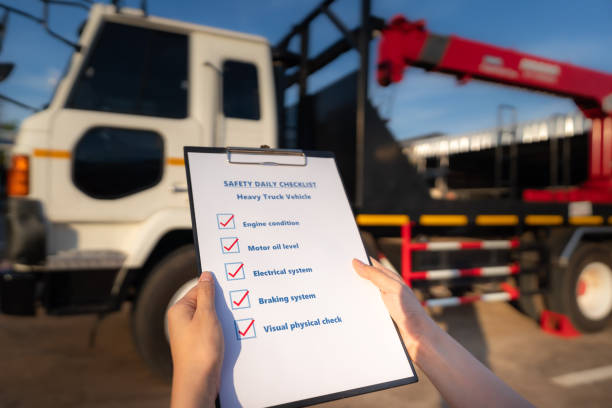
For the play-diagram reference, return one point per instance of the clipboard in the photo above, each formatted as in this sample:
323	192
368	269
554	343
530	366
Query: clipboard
300	326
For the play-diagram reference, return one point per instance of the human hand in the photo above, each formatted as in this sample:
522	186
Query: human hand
450	367
404	308
196	343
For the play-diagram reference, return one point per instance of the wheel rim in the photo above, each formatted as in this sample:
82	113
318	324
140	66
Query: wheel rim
182	291
594	290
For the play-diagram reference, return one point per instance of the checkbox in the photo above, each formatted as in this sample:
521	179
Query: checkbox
240	299
226	221
245	329
234	271
229	245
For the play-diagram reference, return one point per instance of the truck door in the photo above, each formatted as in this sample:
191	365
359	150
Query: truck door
116	146
243	107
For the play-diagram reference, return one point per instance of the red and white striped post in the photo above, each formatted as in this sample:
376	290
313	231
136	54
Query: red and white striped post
508	293
484	271
406	253
458	246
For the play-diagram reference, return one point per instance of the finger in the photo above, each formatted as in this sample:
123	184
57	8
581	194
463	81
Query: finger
206	293
376	262
378	278
185	307
393	275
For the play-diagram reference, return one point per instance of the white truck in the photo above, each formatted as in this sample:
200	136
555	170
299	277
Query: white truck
98	215
98	211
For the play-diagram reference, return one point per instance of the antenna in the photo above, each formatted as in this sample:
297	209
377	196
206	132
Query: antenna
118	4
144	8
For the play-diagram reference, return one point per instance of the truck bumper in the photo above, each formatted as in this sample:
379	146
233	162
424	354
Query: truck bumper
17	293
25	231
58	292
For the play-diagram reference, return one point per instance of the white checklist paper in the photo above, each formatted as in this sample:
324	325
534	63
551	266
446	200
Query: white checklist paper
300	326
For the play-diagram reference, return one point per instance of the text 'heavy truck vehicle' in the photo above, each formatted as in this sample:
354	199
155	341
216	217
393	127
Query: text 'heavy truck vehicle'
98	213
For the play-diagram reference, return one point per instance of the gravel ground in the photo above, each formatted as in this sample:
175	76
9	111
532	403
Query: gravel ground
47	361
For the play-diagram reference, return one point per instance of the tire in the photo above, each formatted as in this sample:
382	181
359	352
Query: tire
531	305
531	302
166	282
584	291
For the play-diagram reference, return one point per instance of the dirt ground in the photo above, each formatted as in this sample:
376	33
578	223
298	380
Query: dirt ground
47	361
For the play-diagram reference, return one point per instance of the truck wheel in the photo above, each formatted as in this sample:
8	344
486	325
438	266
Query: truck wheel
530	305
584	292
168	281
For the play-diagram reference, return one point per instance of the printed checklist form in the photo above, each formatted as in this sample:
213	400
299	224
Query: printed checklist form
300	326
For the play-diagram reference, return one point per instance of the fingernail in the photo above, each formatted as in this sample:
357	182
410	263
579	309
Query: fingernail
205	276
358	261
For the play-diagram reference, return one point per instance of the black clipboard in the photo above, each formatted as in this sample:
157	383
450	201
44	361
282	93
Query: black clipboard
303	156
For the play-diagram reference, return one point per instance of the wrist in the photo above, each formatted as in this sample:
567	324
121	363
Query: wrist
418	332
195	386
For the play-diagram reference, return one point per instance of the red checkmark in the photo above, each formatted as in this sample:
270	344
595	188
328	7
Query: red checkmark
247	329
231	246
233	275
240	301
224	224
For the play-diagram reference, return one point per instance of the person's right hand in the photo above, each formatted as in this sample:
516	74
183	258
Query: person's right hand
405	309
461	379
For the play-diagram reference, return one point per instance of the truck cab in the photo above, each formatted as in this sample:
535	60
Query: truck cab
97	187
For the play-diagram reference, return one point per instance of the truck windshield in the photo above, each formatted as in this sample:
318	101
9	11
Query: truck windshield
136	71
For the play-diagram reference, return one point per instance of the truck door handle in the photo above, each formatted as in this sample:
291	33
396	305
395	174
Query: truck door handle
179	188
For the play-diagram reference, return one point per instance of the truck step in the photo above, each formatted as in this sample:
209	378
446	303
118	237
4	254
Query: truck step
84	259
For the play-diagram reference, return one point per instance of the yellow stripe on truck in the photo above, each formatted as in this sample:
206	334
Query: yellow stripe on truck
586	220
65	154
52	154
543	219
443	220
175	161
382	220
495	220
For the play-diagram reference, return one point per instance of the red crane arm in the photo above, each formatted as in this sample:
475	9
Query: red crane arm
407	43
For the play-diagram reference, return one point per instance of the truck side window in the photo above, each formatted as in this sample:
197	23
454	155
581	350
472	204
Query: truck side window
134	70
112	163
240	90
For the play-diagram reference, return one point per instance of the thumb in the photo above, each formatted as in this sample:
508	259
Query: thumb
206	293
378	278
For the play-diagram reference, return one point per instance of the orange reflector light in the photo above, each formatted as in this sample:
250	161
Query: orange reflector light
18	183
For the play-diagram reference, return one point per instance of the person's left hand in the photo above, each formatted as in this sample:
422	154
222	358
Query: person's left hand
196	342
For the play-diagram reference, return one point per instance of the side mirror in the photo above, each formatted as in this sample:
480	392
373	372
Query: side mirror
3	25
5	70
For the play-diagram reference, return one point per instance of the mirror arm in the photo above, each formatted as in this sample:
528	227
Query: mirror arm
45	20
18	103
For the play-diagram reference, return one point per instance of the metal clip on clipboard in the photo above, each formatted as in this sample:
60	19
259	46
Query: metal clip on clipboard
248	155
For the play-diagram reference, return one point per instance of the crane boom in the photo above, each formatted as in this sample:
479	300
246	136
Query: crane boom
405	43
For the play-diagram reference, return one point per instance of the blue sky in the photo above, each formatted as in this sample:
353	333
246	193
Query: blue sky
579	32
